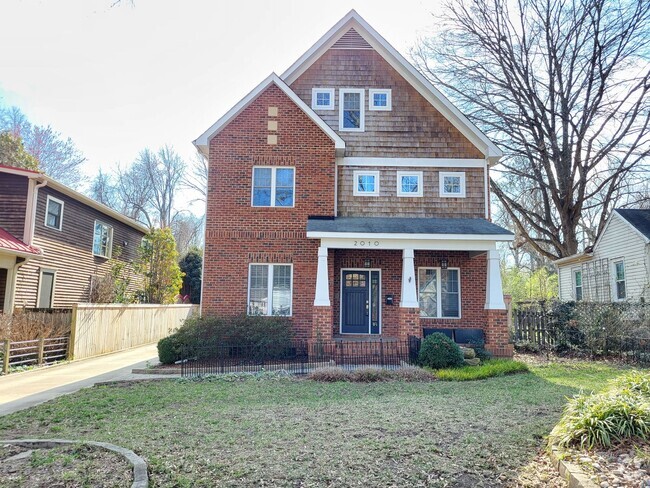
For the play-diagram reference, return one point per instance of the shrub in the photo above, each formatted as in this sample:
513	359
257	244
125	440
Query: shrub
439	351
412	374
371	375
489	369
169	350
330	375
634	381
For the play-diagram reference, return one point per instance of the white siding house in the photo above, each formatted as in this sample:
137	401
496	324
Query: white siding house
617	268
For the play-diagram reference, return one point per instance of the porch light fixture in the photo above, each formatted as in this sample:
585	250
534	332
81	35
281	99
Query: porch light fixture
443	263
367	263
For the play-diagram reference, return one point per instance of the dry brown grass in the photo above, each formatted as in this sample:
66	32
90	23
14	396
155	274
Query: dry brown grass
26	326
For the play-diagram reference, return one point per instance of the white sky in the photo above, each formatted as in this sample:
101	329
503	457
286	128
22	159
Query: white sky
117	80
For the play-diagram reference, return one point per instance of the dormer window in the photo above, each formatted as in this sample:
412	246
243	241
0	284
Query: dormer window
351	110
380	99
322	98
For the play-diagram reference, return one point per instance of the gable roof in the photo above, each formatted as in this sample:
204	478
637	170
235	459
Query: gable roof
638	218
13	245
60	187
203	141
354	21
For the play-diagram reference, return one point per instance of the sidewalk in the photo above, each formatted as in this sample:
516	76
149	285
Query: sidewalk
23	390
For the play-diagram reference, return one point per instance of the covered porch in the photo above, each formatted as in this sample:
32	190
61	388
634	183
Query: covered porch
392	278
13	254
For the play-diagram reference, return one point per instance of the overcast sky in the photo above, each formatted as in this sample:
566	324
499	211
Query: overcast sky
153	72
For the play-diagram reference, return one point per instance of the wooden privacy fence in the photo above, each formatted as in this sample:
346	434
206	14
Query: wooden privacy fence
101	329
533	325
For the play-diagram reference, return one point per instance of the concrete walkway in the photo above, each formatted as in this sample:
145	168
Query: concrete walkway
23	390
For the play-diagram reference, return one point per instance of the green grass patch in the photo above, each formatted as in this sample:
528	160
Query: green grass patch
487	369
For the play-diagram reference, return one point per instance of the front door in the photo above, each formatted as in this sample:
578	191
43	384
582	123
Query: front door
360	302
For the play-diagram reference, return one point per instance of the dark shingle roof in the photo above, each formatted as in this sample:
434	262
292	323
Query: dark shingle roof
639	218
399	225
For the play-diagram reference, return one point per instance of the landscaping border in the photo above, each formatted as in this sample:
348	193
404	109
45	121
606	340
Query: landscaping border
571	472
140	476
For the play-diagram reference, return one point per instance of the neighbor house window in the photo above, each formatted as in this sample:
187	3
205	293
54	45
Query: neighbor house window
439	292
409	183
619	271
46	288
380	99
577	282
366	183
103	240
54	213
322	98
351	106
273	187
270	289
452	184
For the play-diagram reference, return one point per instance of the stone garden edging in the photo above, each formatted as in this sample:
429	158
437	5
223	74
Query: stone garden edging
140	476
571	472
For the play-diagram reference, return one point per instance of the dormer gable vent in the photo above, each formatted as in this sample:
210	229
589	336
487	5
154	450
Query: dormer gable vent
351	40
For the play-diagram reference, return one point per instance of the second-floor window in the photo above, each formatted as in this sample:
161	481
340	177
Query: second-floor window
452	184
380	99
409	183
619	270
102	240
351	110
577	282
366	183
273	186
322	98
54	213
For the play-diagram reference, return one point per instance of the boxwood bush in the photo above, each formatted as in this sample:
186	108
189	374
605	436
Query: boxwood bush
217	336
439	351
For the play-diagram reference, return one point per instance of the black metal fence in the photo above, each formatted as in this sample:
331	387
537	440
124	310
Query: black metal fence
620	330
299	357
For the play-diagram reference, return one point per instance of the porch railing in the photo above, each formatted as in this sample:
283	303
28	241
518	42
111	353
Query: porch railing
300	357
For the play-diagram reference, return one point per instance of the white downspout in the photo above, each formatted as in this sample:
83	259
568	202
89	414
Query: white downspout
30	214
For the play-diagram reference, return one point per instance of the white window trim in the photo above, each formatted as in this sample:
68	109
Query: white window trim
273	186
389	99
575	286
40	282
614	277
463	189
362	107
439	293
110	240
355	188
269	289
420	176
47	207
314	98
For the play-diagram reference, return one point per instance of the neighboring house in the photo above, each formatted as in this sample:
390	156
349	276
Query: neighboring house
350	195
616	268
54	241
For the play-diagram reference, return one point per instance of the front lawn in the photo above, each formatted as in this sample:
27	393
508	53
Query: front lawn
284	432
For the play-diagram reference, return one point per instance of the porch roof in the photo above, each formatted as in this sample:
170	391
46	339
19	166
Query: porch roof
12	245
402	226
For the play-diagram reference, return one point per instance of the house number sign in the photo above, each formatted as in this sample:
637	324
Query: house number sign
368	243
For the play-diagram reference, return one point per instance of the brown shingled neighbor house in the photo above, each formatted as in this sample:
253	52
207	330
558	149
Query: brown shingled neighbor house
350	195
54	241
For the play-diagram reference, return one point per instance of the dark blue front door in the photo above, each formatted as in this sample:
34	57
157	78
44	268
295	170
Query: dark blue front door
356	302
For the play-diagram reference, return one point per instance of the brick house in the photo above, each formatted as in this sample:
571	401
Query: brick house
350	195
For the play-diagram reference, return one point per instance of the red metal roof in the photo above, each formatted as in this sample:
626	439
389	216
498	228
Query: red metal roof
15	168
15	245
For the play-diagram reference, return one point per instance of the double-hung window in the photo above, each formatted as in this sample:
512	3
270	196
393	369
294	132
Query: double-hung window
273	187
366	183
452	185
439	292
409	183
577	284
54	213
322	98
351	110
270	289
102	240
619	277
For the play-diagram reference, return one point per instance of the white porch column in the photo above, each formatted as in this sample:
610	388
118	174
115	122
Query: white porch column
409	291
493	287
322	298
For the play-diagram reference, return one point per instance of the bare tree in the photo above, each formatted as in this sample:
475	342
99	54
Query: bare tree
102	190
162	172
196	179
188	231
562	86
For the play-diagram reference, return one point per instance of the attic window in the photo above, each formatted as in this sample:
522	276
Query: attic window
380	99
351	110
322	98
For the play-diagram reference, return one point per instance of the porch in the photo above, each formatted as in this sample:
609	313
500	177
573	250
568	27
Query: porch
393	278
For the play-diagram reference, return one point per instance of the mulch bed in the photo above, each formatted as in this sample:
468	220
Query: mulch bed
63	467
